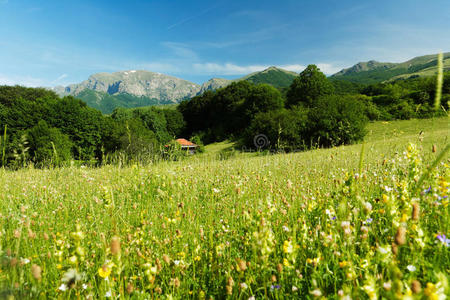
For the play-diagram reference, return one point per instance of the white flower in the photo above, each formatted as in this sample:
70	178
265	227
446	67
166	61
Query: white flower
294	288
251	298
176	262
285	228
84	286
216	190
244	286
63	287
108	294
25	261
411	268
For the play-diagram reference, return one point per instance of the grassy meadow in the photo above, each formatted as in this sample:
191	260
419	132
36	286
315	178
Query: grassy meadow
364	221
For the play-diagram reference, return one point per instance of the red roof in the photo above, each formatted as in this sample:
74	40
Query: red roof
184	142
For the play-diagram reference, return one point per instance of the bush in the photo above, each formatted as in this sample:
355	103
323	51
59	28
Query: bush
277	130
48	146
336	120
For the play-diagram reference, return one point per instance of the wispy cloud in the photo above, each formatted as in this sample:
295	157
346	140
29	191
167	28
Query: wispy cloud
181	50
58	80
190	18
225	69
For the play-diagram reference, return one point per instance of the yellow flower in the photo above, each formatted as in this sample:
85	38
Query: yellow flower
287	247
197	258
343	264
104	271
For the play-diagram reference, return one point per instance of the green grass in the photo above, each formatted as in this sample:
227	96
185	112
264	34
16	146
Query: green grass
298	225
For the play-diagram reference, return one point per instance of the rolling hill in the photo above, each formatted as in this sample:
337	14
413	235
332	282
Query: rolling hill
373	72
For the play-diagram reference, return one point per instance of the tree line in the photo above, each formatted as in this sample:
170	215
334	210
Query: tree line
313	112
40	127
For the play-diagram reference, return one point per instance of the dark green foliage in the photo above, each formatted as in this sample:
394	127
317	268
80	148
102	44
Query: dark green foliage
308	87
174	121
226	112
49	130
48	146
343	87
198	141
336	120
280	129
135	139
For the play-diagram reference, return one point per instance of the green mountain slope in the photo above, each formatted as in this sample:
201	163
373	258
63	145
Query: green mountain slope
107	103
373	72
274	76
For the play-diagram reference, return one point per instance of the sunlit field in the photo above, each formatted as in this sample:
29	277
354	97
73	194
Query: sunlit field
366	221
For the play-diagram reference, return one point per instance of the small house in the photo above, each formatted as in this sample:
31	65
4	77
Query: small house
187	145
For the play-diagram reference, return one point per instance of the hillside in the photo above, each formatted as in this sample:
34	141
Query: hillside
274	76
373	72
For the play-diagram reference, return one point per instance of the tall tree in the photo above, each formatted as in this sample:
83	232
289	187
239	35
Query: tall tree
308	87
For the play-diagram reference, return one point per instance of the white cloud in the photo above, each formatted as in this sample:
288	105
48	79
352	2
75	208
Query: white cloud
225	69
329	69
293	68
21	80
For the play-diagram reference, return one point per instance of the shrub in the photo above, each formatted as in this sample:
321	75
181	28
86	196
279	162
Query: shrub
48	146
336	120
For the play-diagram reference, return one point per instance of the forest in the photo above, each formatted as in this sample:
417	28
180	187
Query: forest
41	128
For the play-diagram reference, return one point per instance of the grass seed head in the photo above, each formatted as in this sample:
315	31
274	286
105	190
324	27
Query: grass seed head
36	271
416	286
400	236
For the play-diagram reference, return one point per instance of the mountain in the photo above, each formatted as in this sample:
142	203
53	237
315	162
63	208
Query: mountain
373	72
214	84
106	91
274	76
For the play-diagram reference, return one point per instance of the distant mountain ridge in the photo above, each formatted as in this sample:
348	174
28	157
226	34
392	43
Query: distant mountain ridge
106	91
373	72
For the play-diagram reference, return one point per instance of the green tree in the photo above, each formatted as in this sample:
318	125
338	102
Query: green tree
336	120
308	87
48	146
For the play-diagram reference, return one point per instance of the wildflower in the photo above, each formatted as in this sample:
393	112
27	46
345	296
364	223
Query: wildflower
316	293
244	286
63	287
275	287
411	268
387	286
108	294
71	277
24	261
104	271
241	265
285	228
84	286
443	239
288	247
294	288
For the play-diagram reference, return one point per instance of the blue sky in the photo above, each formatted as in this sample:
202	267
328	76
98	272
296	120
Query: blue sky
48	43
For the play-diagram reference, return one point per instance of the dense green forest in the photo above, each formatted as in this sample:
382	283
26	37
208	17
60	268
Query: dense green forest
42	128
313	112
